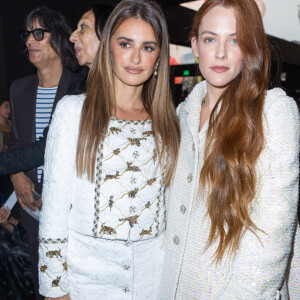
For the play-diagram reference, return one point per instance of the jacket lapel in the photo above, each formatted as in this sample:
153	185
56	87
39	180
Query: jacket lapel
63	85
29	107
193	108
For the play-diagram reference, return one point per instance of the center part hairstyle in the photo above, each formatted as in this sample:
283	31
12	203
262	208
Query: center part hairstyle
100	99
235	137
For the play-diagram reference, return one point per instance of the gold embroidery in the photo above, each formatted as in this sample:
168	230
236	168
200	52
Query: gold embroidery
97	189
107	230
55	253
132	168
51	241
147	133
111	202
55	282
135	141
132	220
43	268
151	181
116	151
132	194
146	232
108	177
115	130
65	266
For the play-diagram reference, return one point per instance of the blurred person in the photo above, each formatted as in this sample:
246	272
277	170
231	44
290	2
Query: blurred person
31	155
5	127
107	162
232	206
16	277
34	98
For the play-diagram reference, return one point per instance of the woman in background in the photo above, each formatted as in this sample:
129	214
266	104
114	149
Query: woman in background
5	127
106	166
32	155
232	207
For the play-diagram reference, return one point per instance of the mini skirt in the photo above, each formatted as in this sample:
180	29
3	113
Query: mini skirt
113	269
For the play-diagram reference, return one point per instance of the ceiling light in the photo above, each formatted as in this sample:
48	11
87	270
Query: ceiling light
194	5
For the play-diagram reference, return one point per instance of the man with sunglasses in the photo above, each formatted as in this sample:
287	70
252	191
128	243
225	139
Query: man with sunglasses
33	100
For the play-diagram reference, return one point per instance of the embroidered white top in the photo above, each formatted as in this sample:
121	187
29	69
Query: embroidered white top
126	201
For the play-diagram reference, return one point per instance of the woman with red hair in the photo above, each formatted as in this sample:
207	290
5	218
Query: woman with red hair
232	206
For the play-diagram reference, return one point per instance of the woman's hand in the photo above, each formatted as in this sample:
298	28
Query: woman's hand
4	215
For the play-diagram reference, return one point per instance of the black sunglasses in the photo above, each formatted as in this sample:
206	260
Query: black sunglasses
37	33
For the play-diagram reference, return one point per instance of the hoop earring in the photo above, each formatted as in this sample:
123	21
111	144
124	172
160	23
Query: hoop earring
155	71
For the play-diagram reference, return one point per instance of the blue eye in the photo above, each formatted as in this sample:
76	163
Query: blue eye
234	41
82	26
208	40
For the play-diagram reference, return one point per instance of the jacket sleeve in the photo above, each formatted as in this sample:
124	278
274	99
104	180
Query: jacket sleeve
14	137
57	193
262	260
23	158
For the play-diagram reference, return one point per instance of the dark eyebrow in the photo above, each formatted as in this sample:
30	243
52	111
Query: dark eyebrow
150	43
125	38
212	33
131	40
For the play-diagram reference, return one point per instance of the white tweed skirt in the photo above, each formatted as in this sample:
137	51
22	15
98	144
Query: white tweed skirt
112	269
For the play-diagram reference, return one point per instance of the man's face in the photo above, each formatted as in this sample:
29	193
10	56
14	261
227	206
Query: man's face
41	54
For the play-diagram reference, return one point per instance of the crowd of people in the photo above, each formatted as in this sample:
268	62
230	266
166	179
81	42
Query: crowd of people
132	198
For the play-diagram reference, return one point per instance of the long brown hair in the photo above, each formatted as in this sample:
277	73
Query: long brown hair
100	97
235	137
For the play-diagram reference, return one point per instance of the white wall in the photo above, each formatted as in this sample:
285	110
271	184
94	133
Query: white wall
281	19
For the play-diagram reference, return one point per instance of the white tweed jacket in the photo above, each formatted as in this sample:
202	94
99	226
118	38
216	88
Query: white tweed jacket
124	202
265	269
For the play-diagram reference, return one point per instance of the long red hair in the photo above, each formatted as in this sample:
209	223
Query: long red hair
235	137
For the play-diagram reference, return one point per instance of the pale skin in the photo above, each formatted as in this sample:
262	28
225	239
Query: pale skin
135	54
49	70
220	58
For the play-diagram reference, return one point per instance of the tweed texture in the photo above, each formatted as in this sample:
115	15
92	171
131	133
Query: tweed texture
124	203
265	269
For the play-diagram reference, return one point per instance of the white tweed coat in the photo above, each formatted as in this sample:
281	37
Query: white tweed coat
265	269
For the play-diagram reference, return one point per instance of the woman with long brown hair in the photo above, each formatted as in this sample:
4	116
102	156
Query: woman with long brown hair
107	163
232	206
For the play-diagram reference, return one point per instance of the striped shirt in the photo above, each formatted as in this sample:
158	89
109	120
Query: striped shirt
44	103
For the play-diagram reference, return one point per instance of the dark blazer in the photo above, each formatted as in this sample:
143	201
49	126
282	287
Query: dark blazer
31	156
23	102
23	94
